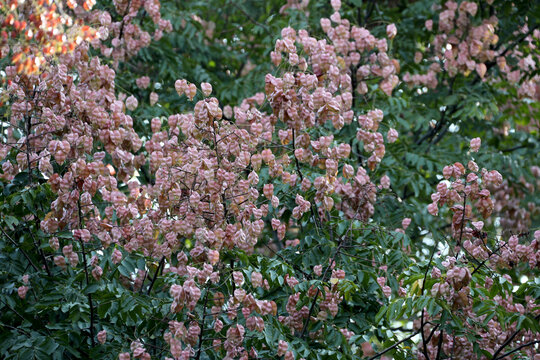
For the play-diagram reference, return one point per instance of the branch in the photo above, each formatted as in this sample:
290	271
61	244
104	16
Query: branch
519	40
442	122
161	262
313	212
395	345
422	323
250	18
441	135
517	349
516	42
123	22
462	217
369	11
489	257
294	266
439	346
515	148
199	350
39	250
432	331
507	342
90	303
312	308
17	246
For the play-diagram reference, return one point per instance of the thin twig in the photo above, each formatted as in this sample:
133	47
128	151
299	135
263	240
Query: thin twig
422	323
517	349
439	346
23	252
395	345
508	341
312	308
199	350
161	262
90	303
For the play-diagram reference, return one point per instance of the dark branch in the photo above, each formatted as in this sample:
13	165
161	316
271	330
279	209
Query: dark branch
508	341
395	345
517	349
161	262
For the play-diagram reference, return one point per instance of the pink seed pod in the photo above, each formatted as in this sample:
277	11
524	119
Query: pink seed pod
97	272
21	291
180	86
116	256
206	88
102	336
475	144
392	135
54	243
433	209
282	347
256	279
391	31
238	278
405	223
60	261
153	98
132	103
191	91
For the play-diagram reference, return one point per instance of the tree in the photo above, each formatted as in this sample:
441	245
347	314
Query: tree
317	180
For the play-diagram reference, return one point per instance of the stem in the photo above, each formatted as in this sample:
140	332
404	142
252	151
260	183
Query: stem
507	342
28	129
87	280
517	349
40	252
23	252
422	323
485	261
299	170
462	218
312	308
439	347
161	263
395	345
199	350
123	22
89	296
520	39
369	11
